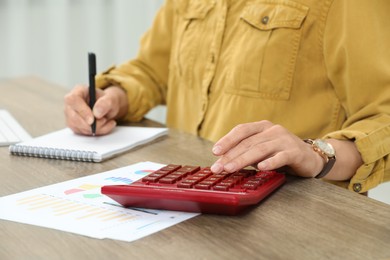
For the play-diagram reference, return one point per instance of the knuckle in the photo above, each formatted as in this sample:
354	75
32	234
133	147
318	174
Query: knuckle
286	156
242	128
260	149
238	127
266	123
106	102
278	128
68	98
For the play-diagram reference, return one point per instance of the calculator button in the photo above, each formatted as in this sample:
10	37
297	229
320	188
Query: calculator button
221	187
181	174
214	178
151	178
185	185
229	183
167	180
202	186
206	182
176	176
189	169
250	186
170	167
162	172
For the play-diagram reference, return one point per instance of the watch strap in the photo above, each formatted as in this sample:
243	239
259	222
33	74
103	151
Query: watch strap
328	166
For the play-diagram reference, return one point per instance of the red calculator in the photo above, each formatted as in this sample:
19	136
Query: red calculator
196	189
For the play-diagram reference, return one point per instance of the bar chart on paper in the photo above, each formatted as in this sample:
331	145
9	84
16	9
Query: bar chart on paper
77	206
59	207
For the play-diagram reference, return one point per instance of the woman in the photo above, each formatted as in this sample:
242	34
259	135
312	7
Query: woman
258	77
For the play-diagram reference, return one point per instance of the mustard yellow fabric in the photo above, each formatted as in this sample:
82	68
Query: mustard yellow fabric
319	68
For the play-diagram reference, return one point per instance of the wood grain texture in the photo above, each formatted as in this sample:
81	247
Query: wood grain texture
304	219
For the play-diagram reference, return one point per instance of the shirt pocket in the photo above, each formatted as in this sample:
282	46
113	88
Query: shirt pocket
193	37
263	62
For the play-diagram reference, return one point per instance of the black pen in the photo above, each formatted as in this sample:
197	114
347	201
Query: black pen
92	91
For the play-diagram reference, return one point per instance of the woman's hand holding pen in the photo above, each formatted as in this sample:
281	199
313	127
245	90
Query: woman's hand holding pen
111	104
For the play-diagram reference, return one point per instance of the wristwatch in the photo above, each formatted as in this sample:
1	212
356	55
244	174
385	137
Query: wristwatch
327	151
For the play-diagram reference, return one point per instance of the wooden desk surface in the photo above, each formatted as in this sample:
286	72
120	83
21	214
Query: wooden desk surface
304	219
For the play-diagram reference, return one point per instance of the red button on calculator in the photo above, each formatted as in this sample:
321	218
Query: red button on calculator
196	189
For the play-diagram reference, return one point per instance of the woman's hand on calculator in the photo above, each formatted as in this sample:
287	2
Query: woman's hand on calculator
268	146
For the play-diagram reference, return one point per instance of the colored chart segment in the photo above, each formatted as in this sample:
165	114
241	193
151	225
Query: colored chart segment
120	179
92	196
143	172
81	188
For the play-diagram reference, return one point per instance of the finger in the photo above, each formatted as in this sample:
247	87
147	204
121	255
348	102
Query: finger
280	162
233	154
75	122
106	128
101	128
105	106
276	161
250	156
244	146
237	134
76	100
242	155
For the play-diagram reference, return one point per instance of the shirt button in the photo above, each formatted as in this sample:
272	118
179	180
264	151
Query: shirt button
265	20
357	187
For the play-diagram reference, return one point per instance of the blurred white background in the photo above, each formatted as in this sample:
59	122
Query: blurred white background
51	39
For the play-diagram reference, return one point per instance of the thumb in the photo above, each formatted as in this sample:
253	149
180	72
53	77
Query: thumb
100	109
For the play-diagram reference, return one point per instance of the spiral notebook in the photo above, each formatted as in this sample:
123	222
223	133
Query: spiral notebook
66	145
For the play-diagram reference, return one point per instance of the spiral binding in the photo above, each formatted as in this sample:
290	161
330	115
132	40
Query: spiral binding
52	153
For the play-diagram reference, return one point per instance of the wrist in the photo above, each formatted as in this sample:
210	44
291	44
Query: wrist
317	161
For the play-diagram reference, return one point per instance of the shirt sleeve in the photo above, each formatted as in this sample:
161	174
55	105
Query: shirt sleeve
145	78
357	57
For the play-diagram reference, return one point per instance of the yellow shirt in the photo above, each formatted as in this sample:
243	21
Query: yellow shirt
318	68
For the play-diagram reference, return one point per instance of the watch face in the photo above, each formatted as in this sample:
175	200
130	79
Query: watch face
325	147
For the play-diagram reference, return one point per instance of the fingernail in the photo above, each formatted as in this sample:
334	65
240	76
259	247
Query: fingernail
216	168
262	165
90	120
97	112
217	150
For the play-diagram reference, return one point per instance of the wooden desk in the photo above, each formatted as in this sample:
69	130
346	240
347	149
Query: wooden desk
304	219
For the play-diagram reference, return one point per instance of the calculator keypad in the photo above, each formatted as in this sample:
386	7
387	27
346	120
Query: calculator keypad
195	177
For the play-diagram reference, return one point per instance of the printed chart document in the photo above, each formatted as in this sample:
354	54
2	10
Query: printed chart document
78	206
66	145
11	132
